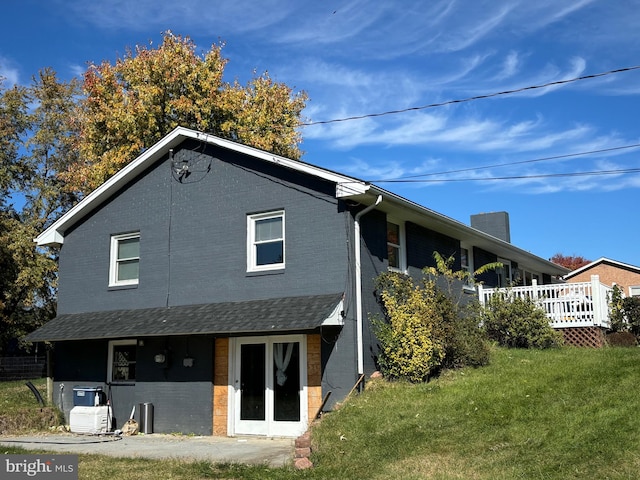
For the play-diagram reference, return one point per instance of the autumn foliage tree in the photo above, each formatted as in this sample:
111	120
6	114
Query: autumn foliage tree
60	140
130	105
569	261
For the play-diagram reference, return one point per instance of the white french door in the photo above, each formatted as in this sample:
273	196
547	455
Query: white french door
269	377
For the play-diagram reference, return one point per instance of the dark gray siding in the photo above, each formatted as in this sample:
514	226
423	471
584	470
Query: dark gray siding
193	250
173	389
420	244
482	257
423	242
193	237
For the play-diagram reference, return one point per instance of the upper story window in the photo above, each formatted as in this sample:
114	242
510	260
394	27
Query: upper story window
395	246
634	291
122	361
125	259
265	241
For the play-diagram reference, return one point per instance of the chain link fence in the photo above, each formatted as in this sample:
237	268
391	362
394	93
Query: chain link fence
22	368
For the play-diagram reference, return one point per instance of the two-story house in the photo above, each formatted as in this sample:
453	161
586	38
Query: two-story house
231	287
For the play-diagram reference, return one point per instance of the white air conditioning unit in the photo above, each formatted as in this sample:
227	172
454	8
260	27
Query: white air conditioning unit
90	419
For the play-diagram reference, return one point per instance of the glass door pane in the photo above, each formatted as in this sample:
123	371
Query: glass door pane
286	382
252	381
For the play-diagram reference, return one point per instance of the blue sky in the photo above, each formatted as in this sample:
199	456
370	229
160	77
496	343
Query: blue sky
357	58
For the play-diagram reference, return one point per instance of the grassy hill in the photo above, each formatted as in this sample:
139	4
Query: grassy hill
566	413
554	414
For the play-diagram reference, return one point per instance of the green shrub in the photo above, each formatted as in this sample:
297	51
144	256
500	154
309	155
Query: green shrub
631	309
624	312
622	339
410	349
518	323
466	344
427	326
616	313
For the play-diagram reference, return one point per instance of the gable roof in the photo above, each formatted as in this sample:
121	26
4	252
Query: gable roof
347	187
54	234
273	315
600	261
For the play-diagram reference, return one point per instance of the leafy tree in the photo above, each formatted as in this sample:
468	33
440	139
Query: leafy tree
35	147
59	141
132	104
569	261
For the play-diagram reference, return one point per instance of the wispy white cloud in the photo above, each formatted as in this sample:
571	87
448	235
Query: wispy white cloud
359	57
77	70
196	16
543	13
510	66
9	72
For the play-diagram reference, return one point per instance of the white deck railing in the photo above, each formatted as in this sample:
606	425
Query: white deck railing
584	304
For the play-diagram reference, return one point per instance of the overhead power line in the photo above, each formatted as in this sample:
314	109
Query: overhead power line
508	164
518	177
469	99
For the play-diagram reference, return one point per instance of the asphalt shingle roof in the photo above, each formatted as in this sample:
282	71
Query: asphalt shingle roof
227	318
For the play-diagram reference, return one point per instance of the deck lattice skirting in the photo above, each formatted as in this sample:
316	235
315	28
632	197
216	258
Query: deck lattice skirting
590	337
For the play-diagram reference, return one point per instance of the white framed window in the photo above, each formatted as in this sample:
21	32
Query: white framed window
265	241
395	246
125	259
121	366
634	291
466	265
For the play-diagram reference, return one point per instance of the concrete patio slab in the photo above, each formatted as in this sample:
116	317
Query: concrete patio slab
246	450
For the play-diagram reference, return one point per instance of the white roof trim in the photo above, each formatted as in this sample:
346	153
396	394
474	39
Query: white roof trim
54	235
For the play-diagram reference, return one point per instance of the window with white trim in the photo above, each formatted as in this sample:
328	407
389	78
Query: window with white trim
121	367
466	265
395	246
634	291
265	241
125	259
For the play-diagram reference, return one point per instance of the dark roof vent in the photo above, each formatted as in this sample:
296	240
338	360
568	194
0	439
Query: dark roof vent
494	223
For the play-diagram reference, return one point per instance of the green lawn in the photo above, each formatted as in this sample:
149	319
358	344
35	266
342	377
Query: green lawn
21	412
556	414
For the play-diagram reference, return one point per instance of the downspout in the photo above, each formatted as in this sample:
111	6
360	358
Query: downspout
358	292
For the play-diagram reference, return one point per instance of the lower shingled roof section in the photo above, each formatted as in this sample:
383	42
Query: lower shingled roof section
226	318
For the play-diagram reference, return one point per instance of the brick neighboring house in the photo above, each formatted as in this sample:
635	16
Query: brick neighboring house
611	272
